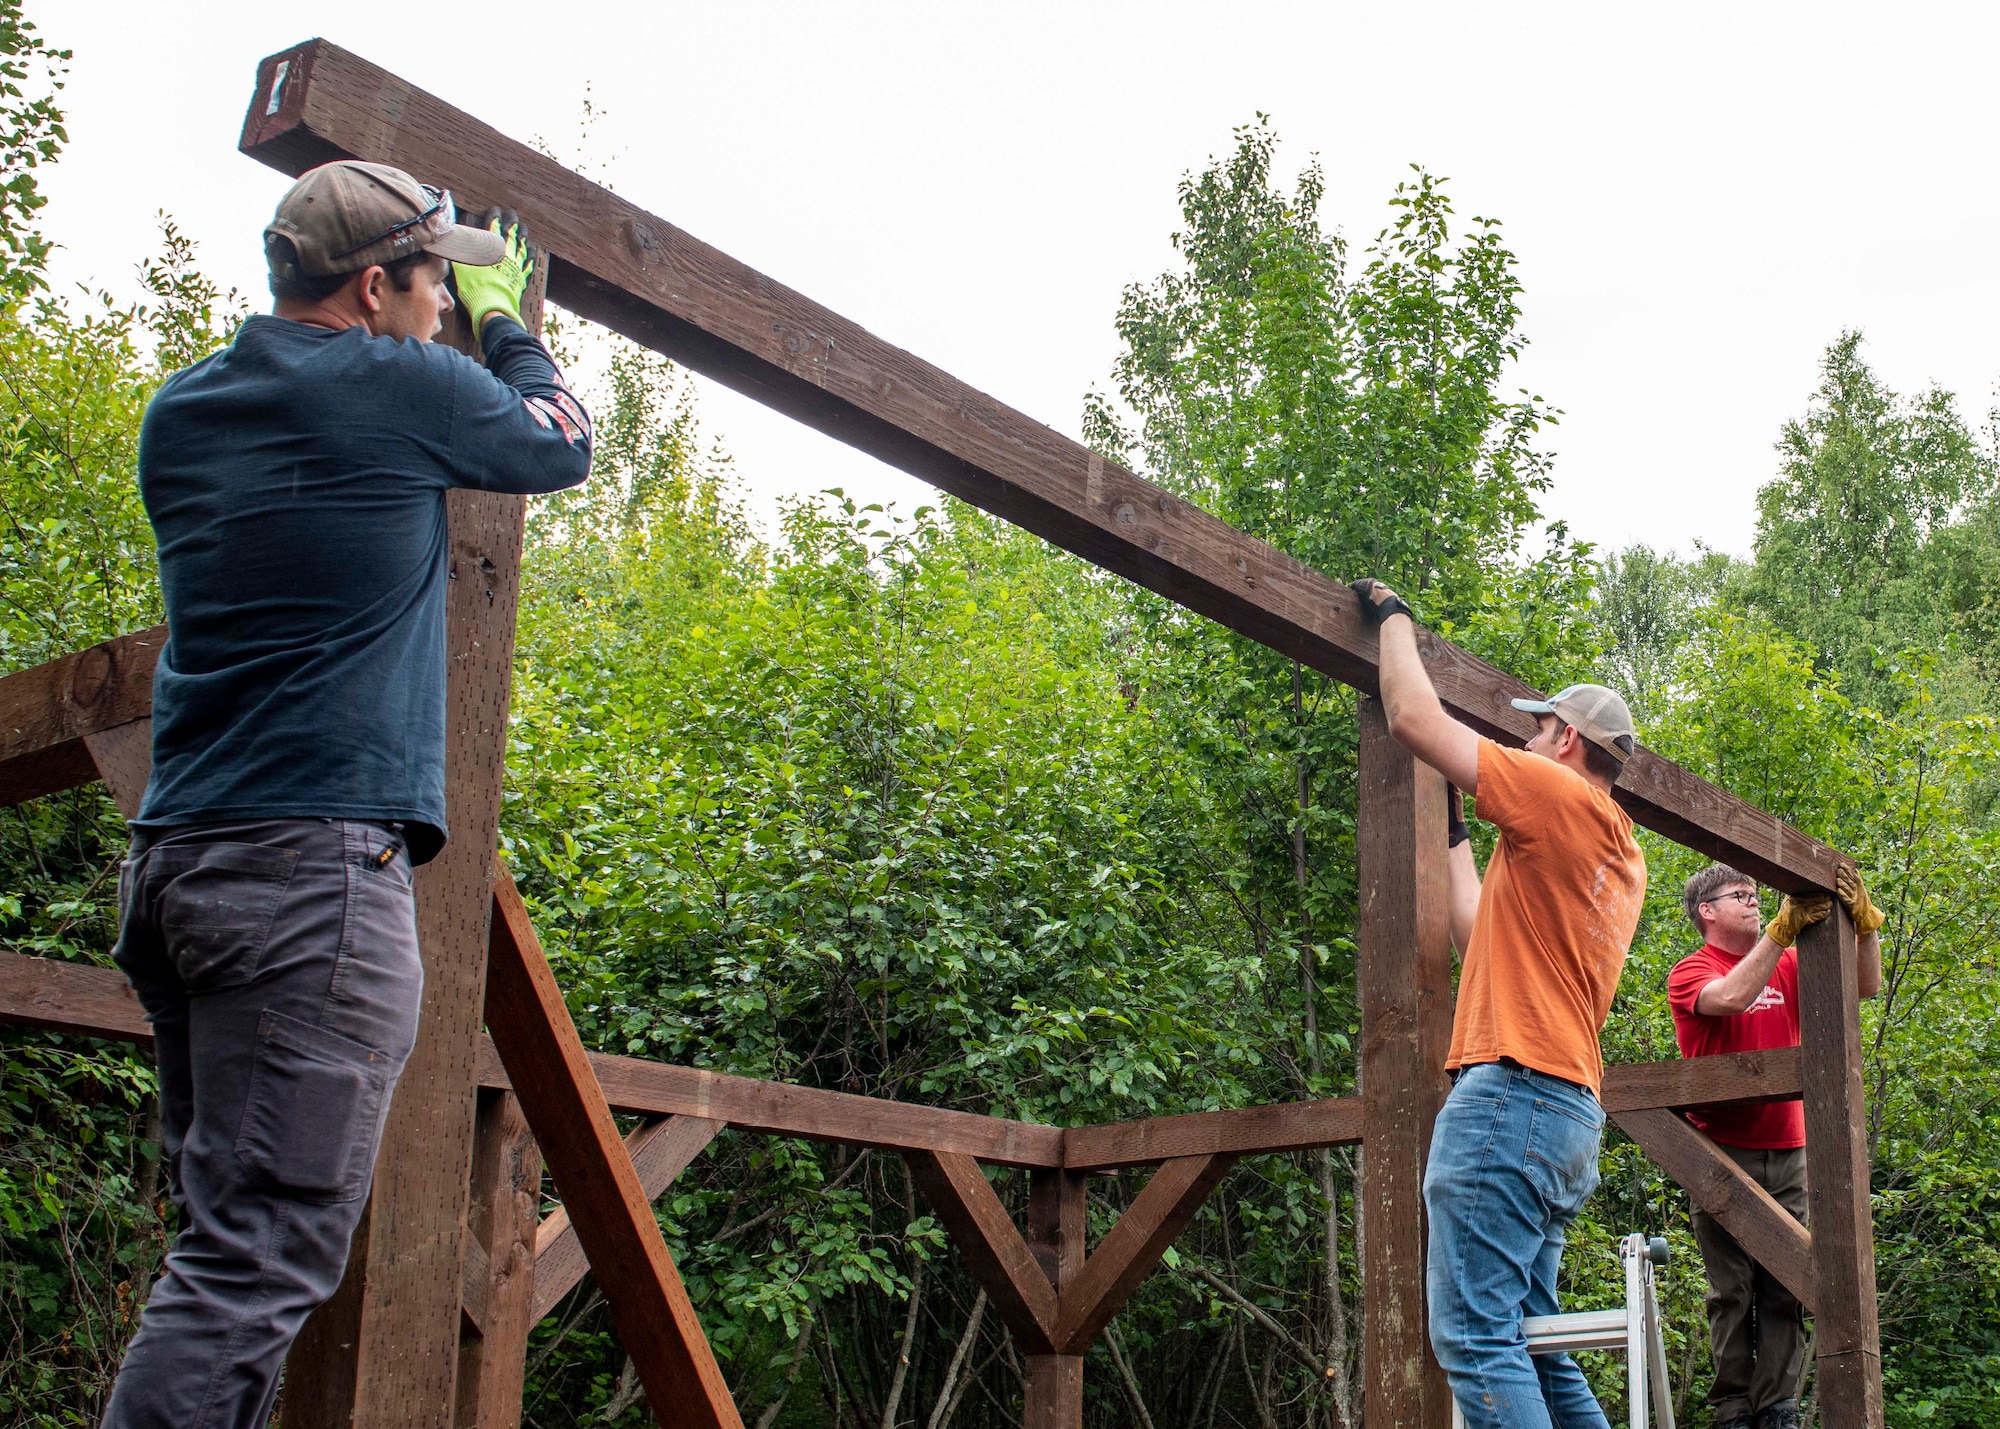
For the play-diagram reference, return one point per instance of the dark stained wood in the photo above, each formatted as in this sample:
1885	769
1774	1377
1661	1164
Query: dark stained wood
638	274
1056	1224
1719	1186
46	711
70	997
123	758
659	1089
1247	1131
1132	1248
660	1151
993	1249
1704	1081
500	1262
1052	1392
385	1350
600	1189
1846	1337
1403	967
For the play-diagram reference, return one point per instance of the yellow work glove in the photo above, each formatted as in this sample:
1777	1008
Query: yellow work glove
1854	894
498	289
1794	914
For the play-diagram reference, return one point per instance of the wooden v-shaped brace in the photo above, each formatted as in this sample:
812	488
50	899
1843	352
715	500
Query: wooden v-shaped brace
1051	1297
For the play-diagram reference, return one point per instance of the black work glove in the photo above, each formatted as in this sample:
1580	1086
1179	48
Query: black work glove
1375	613
1455	831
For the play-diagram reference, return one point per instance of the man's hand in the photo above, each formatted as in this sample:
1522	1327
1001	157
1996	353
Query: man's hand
1794	914
498	289
1455	831
1853	895
1378	602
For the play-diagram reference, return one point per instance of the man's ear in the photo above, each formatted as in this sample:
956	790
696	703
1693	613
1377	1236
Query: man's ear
372	280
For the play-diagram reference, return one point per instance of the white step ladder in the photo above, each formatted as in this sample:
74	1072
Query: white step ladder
1634	1329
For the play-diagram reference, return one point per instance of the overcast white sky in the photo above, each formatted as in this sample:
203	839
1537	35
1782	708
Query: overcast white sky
1702	196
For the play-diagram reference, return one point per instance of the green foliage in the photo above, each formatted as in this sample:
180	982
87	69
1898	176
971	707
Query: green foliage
31	135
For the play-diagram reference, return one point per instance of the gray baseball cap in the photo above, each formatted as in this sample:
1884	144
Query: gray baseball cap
1595	712
342	217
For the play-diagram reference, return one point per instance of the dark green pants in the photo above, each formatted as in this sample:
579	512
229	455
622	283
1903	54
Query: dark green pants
1756	1330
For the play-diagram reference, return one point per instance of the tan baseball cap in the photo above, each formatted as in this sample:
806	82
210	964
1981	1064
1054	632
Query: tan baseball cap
1598	714
342	217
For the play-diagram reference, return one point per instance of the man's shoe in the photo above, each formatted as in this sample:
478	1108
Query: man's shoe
1782	1415
1740	1421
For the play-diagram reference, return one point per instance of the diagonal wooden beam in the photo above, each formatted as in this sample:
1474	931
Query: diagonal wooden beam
614	263
613	1216
1132	1247
123	758
993	1248
47	712
660	1151
1722	1188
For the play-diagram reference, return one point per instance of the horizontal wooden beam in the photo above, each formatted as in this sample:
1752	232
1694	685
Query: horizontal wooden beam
71	997
1250	1131
47	711
782	1109
1772	1074
614	263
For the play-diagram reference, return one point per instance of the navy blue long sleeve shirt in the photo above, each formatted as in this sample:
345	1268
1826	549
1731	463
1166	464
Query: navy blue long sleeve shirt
296	483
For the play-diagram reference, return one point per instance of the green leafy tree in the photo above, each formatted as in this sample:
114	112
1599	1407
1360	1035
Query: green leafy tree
31	135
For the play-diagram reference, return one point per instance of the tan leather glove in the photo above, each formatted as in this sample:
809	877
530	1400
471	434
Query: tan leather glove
1794	914
1854	894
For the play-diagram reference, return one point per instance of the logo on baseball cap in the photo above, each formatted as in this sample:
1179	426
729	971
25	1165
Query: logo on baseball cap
1598	714
344	216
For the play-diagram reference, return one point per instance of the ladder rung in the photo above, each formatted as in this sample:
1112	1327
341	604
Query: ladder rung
1584	1330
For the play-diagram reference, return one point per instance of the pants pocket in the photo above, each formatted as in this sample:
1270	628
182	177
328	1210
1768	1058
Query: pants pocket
216	903
1562	1155
314	1114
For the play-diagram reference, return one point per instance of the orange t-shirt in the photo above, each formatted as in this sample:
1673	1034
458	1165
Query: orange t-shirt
1557	911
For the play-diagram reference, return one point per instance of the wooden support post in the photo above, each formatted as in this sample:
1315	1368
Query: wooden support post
1052	1385
384	1350
506	1202
1404	971
1846	1339
593	1171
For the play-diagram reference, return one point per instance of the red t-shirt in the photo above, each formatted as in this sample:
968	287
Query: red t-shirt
1771	1021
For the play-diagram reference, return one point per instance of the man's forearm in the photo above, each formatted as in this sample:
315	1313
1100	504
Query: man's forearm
1735	990
1416	716
1464	875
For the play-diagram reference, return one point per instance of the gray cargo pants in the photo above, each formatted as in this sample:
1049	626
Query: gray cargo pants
1756	1330
277	961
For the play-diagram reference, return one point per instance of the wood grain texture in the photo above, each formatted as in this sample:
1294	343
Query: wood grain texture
1704	1081
660	1151
781	1109
46	712
70	997
1403	967
993	1249
1056	1224
500	1261
1837	1171
1051	1392
1132	1247
600	1188
123	758
386	1352
1726	1191
638	274
1245	1131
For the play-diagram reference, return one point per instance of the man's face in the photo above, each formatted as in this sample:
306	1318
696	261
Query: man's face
1732	911
1547	737
419	313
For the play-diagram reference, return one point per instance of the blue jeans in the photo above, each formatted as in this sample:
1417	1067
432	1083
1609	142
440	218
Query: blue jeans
277	961
1513	1159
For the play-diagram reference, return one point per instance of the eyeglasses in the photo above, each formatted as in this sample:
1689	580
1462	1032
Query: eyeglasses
440	201
1746	896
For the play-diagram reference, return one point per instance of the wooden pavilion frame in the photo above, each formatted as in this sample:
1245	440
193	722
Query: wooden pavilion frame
451	1268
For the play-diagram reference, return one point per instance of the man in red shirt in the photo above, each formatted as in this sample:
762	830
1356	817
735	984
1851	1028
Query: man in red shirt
1740	993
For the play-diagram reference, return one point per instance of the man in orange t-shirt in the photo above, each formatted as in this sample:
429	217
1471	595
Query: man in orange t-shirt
1543	940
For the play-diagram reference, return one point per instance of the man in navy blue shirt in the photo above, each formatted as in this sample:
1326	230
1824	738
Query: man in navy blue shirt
296	483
